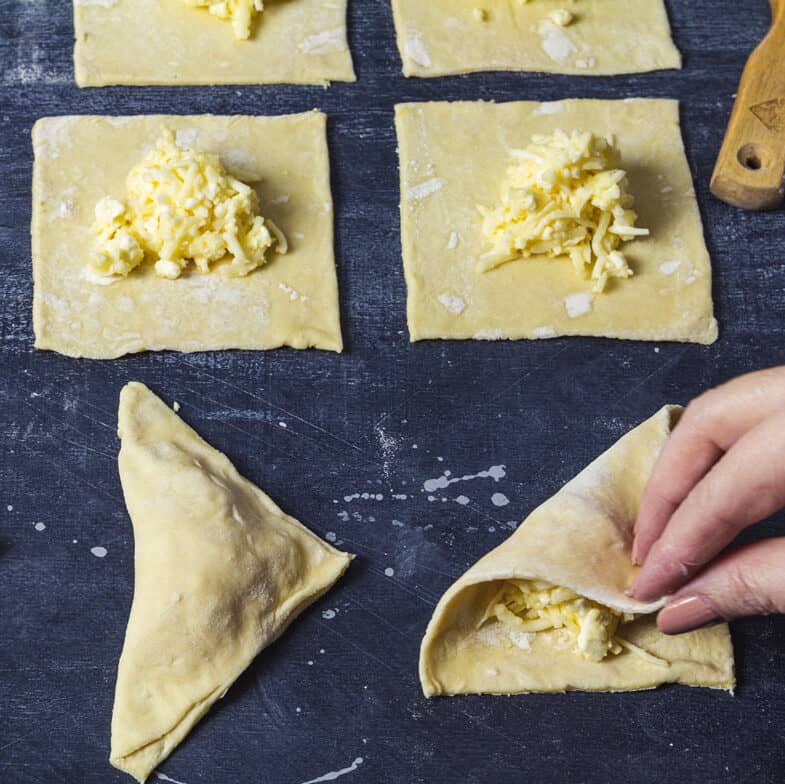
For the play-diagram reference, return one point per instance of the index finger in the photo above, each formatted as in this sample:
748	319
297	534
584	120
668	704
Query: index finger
745	486
711	424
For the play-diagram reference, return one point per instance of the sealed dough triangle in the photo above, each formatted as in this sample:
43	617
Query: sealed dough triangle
580	540
220	573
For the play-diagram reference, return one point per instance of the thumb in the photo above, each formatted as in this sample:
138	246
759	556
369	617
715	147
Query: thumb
746	581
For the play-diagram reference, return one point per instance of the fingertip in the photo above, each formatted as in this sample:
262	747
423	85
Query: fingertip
646	588
641	591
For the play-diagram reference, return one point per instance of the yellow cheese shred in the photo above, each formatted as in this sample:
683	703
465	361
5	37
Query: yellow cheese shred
564	196
532	606
239	12
182	208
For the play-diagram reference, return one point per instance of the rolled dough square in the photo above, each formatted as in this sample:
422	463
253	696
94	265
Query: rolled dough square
454	156
168	42
291	301
441	37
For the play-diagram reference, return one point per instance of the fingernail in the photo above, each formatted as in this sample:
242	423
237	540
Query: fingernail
685	614
635	552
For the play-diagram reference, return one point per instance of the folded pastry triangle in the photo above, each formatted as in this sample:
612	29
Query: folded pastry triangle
220	573
502	628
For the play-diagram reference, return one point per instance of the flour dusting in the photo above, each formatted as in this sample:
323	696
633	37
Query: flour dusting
456	305
415	50
548	107
555	42
164	777
669	267
333	775
499	499
496	473
578	305
427	188
325	42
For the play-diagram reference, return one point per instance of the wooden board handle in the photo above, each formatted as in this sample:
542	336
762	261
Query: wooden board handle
750	170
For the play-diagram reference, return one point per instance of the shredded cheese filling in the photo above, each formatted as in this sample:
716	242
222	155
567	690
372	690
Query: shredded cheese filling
239	12
536	606
564	196
182	208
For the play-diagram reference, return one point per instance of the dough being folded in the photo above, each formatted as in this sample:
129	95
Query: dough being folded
220	573
579	539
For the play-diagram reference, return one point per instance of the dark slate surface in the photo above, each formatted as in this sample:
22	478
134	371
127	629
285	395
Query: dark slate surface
380	419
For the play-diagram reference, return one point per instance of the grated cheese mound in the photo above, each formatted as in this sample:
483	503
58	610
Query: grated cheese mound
239	12
534	606
182	208
564	196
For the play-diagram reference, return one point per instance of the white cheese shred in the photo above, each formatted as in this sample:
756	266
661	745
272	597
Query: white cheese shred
641	652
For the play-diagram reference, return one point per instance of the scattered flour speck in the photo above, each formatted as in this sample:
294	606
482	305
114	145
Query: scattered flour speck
99	552
499	499
328	615
669	267
389	572
427	188
578	305
456	305
40	526
496	473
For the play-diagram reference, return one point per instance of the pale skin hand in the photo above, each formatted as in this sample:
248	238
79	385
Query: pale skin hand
722	470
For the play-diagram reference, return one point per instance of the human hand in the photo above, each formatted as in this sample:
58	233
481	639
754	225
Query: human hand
722	470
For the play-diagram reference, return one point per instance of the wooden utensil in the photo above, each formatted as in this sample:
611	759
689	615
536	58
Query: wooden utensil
750	170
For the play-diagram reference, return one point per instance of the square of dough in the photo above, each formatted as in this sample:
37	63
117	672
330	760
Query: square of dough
291	301
442	37
454	156
169	42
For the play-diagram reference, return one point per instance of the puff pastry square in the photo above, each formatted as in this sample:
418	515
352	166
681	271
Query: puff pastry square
454	156
442	37
581	538
291	301
169	43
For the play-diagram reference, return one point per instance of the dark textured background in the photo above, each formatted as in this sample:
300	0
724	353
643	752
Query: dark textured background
381	419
